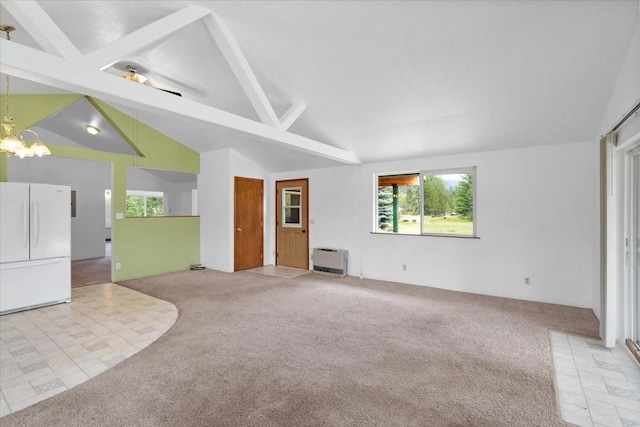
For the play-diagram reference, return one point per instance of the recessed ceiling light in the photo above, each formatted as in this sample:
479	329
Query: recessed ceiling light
93	130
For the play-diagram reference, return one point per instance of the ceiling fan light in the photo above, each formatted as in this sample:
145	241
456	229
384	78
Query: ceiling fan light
139	78
135	77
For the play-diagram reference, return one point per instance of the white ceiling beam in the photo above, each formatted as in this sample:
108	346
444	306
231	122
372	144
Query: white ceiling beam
144	37
291	115
242	70
41	27
31	64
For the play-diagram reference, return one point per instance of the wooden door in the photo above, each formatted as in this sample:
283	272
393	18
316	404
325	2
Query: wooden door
292	223
248	225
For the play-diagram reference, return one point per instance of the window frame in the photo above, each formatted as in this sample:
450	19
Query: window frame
146	194
292	190
421	176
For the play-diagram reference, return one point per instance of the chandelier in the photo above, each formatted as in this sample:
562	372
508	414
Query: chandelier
12	142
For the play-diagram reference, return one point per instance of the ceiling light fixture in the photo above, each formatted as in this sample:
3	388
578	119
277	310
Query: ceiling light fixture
134	76
93	130
12	142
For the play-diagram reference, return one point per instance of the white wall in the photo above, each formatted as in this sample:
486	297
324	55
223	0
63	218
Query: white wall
88	179
180	198
215	203
336	202
536	208
216	222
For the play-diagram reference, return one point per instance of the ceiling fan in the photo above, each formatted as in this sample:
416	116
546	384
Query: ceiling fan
134	76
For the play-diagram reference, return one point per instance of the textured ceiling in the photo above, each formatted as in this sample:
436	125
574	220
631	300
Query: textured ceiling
384	80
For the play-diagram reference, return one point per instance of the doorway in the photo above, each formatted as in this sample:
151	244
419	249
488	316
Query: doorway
92	271
292	223
631	246
248	223
634	272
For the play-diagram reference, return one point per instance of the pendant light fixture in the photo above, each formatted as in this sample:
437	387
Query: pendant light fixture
12	142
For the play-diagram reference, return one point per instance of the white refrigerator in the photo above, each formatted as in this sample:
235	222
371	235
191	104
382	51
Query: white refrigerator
35	245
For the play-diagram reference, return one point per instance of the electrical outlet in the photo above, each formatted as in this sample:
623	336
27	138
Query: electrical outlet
527	281
404	267
119	215
118	266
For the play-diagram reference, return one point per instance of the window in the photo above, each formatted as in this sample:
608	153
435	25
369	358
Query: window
399	204
430	203
178	191
291	206
145	203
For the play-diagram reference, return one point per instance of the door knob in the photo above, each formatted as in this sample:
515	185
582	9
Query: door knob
238	229
304	231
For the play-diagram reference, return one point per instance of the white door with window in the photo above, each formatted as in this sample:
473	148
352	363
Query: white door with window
292	222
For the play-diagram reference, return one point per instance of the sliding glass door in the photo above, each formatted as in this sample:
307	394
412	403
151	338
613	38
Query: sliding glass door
636	247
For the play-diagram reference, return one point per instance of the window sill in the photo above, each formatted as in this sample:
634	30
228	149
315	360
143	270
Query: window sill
455	236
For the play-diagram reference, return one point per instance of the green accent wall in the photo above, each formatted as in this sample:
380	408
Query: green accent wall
143	246
161	245
28	110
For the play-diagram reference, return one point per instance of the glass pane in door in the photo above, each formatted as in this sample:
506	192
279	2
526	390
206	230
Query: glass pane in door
291	207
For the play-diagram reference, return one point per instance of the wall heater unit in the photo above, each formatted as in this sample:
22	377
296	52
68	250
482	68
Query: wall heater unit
332	261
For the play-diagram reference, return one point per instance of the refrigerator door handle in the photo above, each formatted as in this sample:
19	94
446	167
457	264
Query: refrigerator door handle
25	224
35	224
28	264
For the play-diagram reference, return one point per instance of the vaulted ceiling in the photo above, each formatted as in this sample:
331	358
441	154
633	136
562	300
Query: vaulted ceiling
366	81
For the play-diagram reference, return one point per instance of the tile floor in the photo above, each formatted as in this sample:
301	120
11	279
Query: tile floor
596	386
279	271
48	350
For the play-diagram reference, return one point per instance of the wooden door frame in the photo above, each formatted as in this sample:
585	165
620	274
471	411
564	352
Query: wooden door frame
235	225
305	204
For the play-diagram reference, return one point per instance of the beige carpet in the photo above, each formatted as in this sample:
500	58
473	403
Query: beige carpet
255	350
91	271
